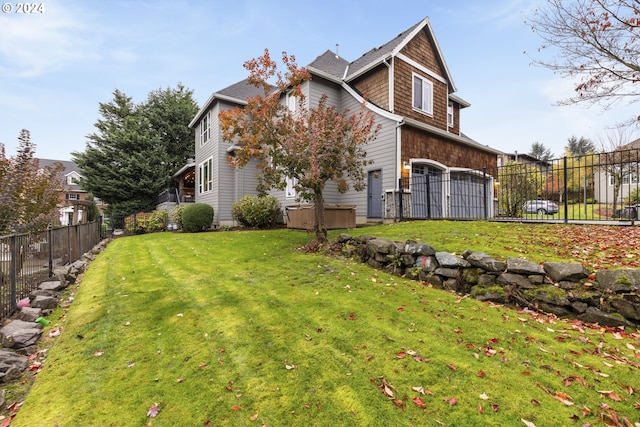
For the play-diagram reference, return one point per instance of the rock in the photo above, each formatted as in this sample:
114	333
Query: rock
30	314
447	260
514	279
594	315
19	334
566	271
579	307
486	280
522	266
451	273
380	246
493	293
45	293
418	249
44	302
558	310
56	285
484	261
618	280
11	365
628	306
428	263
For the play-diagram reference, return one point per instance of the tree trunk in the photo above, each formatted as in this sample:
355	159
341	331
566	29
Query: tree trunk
319	227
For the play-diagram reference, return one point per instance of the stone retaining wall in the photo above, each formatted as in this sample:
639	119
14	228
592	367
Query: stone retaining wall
607	297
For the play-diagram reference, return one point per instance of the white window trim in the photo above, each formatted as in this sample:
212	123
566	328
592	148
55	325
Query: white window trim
290	190
205	176
205	132
628	178
427	93
292	101
450	115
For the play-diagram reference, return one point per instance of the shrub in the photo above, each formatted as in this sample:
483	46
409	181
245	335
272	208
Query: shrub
157	221
197	217
634	197
176	215
591	201
256	211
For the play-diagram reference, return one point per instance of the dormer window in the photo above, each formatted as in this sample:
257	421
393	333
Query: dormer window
72	178
422	95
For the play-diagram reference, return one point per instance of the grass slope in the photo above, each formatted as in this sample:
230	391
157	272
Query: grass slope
239	329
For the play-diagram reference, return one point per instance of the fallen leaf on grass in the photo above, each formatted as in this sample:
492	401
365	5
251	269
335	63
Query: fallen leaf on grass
453	401
419	402
399	403
527	423
253	417
153	411
235	408
98	353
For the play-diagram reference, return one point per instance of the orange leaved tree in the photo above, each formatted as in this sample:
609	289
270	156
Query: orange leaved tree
310	145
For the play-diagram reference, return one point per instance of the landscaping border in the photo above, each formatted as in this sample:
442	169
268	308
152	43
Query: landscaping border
565	289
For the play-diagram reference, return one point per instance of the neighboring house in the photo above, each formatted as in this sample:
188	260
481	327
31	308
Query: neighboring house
617	174
526	159
410	91
72	205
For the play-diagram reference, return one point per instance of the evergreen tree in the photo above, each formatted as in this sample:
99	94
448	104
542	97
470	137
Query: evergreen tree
123	162
540	152
169	112
579	147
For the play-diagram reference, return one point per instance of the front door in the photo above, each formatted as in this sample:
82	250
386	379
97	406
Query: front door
374	194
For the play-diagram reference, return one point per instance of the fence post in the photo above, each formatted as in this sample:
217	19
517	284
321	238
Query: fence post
13	273
484	193
566	183
428	188
400	194
50	243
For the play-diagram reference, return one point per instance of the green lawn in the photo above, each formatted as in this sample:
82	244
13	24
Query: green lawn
242	329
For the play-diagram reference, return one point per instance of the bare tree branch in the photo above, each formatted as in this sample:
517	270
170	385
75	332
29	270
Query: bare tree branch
597	42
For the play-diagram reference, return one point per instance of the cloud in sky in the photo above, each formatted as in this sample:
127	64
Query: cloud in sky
57	66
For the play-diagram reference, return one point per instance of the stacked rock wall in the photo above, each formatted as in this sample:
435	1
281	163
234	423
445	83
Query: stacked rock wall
608	297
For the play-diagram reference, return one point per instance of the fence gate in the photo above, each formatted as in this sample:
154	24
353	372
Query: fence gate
468	192
426	192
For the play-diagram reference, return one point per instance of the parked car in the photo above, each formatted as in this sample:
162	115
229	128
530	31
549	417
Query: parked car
542	207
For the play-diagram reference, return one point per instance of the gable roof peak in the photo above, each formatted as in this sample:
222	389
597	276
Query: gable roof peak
380	54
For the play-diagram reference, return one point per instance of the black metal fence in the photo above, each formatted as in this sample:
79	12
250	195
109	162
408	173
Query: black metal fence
27	259
592	187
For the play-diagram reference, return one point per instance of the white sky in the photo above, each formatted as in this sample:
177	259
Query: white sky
56	66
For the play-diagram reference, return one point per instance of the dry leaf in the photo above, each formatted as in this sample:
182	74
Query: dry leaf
153	411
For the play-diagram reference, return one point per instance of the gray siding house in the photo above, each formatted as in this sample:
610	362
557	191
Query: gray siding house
410	91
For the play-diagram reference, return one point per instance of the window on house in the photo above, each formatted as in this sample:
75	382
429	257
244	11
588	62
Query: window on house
205	176
450	114
204	128
72	196
290	191
627	178
422	94
292	101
